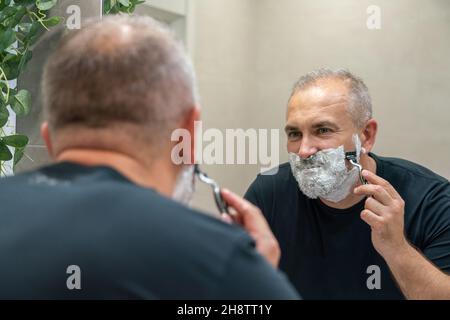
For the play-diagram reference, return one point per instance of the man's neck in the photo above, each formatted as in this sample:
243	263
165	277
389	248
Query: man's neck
368	163
156	175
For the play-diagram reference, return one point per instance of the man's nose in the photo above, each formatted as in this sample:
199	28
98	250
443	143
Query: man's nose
306	150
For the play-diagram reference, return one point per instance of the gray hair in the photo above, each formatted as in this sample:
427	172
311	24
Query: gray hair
119	70
360	104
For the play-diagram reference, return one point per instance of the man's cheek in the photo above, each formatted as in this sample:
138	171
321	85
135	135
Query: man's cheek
334	143
293	147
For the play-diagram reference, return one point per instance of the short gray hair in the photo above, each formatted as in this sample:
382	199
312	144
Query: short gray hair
360	103
119	70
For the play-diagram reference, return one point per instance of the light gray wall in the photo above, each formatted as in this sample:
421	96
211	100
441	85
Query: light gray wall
223	54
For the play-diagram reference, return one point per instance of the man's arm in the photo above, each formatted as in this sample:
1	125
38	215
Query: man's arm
417	277
253	194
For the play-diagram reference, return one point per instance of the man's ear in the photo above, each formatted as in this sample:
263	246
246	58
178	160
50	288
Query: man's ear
45	134
369	134
192	117
187	125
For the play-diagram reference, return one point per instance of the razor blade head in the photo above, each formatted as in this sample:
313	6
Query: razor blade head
351	155
352	158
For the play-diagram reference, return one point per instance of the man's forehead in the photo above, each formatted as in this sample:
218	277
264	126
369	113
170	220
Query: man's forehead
323	92
321	102
324	97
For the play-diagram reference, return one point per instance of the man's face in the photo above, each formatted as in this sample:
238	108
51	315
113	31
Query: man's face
317	119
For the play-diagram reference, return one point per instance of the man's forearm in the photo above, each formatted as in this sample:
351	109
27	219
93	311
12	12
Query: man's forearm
417	277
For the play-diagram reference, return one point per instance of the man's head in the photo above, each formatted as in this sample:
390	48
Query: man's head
120	79
325	109
120	85
329	109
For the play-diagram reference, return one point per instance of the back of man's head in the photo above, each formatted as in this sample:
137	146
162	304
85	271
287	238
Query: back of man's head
120	75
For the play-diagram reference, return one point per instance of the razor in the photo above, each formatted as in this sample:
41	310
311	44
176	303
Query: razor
351	157
203	177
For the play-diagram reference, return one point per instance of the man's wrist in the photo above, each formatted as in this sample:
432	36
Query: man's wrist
400	254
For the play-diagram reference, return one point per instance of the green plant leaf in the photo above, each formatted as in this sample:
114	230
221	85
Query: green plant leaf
24	27
5	153
22	103
33	35
125	3
7	38
106	6
4	116
12	93
17	140
18	154
7	13
14	20
45	5
24	60
4	90
134	4
25	2
8	57
11	66
4	4
53	21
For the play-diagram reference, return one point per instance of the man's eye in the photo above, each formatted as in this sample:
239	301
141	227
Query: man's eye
293	135
323	130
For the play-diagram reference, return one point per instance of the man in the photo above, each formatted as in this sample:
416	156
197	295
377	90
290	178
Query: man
387	239
100	222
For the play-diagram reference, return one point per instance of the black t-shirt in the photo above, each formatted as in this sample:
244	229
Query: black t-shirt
327	253
127	241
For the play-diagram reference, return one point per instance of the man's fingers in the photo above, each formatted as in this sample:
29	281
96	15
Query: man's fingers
251	216
375	206
371	218
378	192
226	218
233	216
377	180
241	205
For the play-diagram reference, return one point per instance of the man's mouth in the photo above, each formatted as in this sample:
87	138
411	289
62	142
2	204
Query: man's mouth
309	168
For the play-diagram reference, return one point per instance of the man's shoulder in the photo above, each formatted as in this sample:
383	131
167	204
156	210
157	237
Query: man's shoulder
97	196
426	194
393	167
280	173
276	179
113	220
272	186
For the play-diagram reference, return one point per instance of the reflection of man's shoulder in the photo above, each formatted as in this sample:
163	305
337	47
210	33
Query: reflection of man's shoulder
278	179
398	166
279	172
